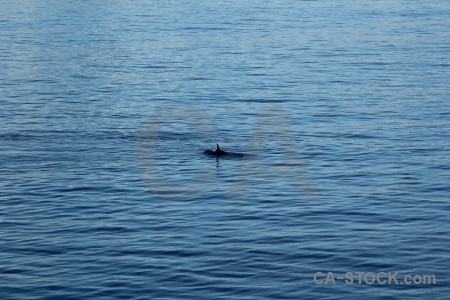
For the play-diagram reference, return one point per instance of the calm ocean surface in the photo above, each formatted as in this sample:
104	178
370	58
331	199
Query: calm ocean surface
337	112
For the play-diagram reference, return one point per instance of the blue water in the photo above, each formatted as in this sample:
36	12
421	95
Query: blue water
339	112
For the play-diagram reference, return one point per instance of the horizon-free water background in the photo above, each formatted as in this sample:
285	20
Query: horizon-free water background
356	90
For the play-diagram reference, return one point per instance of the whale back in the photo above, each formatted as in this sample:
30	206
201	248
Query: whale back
216	152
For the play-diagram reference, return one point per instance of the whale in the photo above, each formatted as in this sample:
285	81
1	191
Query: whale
216	152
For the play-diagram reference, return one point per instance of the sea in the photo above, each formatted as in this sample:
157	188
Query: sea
335	116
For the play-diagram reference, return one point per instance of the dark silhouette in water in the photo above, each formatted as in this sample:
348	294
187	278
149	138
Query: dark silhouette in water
216	152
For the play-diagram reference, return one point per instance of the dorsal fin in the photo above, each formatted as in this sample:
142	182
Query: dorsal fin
218	148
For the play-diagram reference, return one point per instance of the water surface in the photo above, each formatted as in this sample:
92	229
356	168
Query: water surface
340	109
